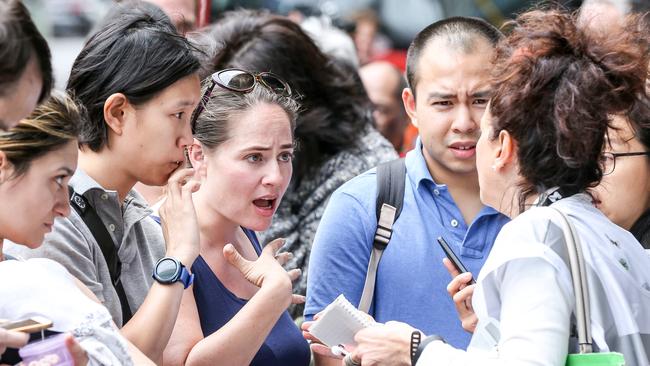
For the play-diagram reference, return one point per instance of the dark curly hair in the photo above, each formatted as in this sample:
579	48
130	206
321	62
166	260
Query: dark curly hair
556	86
334	105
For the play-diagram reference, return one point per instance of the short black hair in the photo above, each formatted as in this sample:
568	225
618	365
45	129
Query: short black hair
461	32
138	52
19	40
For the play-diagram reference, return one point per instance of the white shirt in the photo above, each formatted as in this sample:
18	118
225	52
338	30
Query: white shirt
524	297
42	287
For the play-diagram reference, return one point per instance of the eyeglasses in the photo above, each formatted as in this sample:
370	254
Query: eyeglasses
608	159
240	81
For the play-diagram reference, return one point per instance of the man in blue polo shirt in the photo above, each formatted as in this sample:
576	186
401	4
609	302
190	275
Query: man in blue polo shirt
448	68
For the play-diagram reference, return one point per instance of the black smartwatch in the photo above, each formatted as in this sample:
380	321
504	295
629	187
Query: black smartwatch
169	270
418	345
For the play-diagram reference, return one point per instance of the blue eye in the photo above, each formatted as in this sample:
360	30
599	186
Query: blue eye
286	157
254	158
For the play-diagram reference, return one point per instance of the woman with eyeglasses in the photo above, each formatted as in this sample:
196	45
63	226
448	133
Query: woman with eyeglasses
235	313
624	193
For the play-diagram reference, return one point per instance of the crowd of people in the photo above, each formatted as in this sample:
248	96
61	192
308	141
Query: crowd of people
198	195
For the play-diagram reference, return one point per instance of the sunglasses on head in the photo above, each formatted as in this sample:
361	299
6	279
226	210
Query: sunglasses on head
240	81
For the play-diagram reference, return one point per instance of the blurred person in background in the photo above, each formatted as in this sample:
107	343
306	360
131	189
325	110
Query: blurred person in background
384	84
331	40
183	13
25	80
25	64
335	137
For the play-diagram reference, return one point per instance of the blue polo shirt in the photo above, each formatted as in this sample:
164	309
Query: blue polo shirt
411	283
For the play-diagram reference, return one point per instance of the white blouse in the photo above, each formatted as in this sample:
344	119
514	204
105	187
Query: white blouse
524	297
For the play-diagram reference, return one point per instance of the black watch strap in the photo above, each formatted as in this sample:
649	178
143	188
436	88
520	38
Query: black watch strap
416	338
422	344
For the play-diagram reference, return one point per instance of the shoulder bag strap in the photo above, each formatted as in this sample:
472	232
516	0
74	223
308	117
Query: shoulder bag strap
391	179
579	279
106	244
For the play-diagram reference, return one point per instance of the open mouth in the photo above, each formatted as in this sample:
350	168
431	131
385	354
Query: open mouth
265	204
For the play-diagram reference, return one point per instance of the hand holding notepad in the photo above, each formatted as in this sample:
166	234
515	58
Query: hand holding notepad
339	322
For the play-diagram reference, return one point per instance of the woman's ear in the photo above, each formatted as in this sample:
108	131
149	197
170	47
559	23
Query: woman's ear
6	168
197	158
506	151
117	110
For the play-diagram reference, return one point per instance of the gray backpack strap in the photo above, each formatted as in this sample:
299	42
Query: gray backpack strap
391	179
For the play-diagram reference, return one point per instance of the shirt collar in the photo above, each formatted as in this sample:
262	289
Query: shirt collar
418	172
81	182
417	169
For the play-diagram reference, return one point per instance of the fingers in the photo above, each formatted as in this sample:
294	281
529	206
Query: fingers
464	297
297	299
323	350
283	258
450	267
294	274
274	246
78	354
305	325
458	283
12	339
234	258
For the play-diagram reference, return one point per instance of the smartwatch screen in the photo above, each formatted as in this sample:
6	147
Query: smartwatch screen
166	269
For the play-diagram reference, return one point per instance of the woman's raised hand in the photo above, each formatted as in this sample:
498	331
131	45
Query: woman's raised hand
178	217
266	270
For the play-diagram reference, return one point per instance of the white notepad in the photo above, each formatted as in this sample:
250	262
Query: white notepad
339	322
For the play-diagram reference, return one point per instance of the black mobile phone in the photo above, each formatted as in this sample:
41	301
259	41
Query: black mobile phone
453	257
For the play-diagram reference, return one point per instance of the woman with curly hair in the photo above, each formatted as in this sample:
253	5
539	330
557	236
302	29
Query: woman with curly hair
556	88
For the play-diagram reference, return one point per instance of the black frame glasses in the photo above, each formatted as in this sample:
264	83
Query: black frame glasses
240	81
608	159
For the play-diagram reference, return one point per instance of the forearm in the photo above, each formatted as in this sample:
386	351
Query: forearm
237	342
138	357
534	324
151	326
321	360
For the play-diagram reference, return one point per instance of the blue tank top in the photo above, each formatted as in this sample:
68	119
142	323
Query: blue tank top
284	346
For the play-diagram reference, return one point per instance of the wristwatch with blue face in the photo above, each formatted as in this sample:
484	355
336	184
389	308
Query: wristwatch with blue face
169	270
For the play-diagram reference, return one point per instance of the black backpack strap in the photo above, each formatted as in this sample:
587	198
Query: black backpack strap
391	180
106	244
